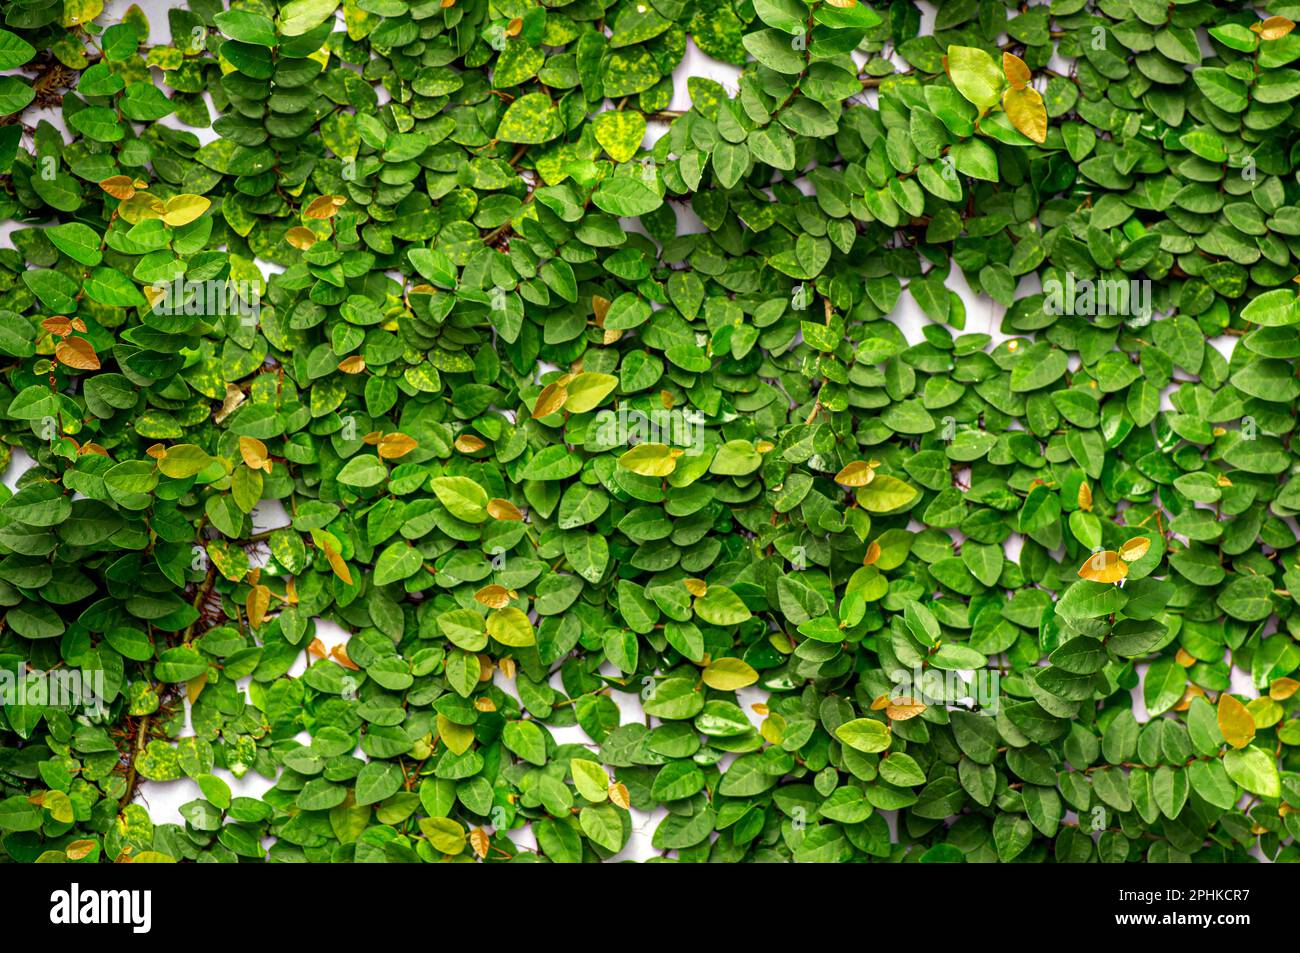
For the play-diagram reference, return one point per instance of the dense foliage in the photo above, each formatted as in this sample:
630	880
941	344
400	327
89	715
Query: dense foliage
420	299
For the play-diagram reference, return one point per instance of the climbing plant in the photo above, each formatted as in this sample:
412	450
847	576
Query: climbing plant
505	447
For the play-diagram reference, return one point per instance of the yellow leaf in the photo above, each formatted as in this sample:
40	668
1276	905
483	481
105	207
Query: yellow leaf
141	206
79	849
901	709
1025	109
394	445
1282	689
494	596
194	687
78	353
550	400
649	459
457	738
479	841
1105	566
324	206
619	795
253	452
600	308
183	209
485	704
1016	71
336	563
696	587
1274	28
500	509
352	364
468	443
1235	722
1184	658
1134	549
773	729
444	834
729	674
300	237
880	702
1085	497
258	601
857	473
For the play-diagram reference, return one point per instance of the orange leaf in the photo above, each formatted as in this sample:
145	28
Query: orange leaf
500	509
121	187
901	709
78	353
353	364
394	445
1274	28
468	443
494	596
1016	71
258	601
1282	689
873	553
326	206
337	564
550	400
340	654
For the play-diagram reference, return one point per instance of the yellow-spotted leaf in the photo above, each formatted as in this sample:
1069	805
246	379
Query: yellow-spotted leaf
620	132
